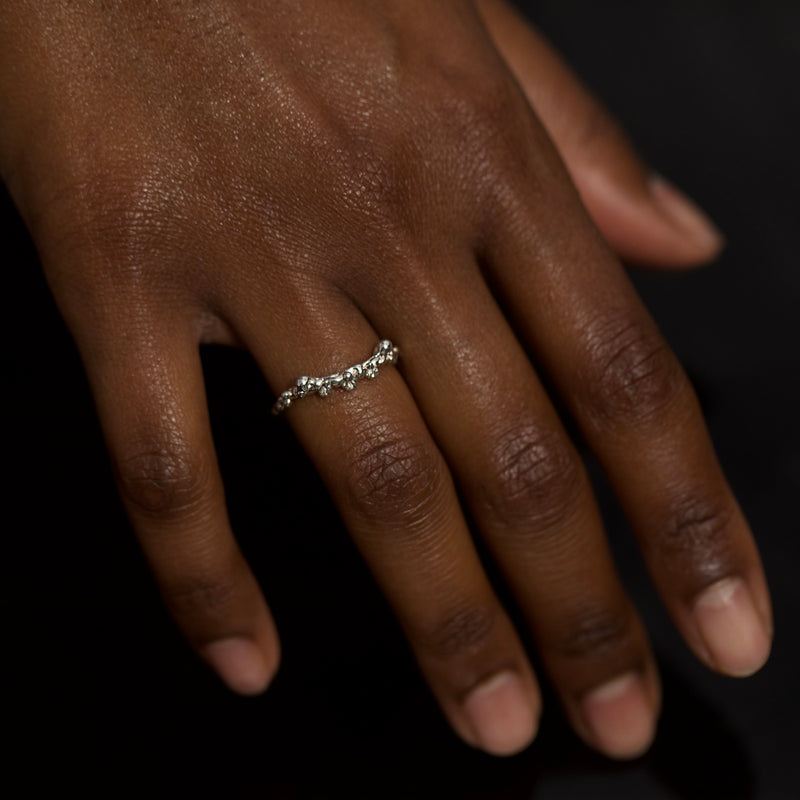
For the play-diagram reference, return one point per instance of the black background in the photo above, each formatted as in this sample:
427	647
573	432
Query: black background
101	695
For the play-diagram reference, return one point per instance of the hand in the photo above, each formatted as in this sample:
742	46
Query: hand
303	179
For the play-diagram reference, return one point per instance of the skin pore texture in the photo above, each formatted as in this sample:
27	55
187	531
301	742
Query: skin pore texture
303	178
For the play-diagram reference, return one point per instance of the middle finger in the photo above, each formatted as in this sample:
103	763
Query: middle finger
529	494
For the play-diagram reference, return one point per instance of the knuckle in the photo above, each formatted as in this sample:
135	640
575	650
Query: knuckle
595	634
414	169
120	219
373	182
116	201
538	480
696	529
162	481
394	477
483	113
462	632
631	374
494	135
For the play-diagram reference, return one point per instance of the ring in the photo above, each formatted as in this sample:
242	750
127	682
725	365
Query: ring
385	353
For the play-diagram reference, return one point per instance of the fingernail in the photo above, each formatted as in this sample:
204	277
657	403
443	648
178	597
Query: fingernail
620	717
239	663
731	628
501	714
685	215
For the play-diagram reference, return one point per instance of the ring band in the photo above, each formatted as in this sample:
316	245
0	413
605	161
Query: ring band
385	353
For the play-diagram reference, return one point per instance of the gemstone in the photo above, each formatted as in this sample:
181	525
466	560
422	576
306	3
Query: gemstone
350	380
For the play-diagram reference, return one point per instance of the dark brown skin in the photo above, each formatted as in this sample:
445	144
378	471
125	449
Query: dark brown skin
305	177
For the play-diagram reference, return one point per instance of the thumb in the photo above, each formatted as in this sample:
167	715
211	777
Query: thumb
643	217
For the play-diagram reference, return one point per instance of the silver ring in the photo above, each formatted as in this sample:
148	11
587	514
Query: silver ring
385	353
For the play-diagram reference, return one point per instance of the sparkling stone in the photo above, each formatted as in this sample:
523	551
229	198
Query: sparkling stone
350	380
324	389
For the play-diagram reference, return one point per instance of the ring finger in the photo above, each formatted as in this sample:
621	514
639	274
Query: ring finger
396	496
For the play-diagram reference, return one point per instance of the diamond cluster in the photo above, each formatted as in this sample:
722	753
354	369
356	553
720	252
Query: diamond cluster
385	353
